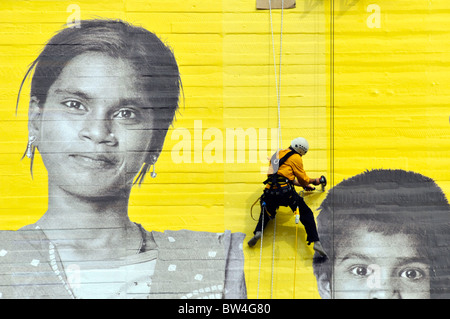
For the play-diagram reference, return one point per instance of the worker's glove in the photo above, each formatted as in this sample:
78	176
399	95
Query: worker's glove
309	188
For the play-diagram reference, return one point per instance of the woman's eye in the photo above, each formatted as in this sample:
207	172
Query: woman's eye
125	114
74	105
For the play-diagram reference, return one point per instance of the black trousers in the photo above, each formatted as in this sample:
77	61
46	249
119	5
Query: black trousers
270	202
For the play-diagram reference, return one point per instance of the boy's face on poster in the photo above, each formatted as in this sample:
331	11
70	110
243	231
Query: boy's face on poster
373	265
96	127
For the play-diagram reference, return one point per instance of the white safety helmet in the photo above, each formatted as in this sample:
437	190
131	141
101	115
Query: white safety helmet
300	145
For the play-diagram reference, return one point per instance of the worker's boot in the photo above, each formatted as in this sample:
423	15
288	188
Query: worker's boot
318	247
252	242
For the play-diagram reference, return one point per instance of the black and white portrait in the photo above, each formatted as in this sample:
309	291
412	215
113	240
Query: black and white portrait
387	234
102	98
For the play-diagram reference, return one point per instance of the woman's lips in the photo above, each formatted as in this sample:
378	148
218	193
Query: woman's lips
92	160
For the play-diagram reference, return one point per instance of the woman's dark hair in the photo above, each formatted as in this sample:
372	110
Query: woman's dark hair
389	201
153	61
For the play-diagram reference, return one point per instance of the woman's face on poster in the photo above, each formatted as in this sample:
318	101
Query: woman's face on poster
95	130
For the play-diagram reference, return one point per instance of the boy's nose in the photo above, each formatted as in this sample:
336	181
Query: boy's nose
385	293
385	288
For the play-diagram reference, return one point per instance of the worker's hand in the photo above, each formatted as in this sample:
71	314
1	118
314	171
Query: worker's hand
309	188
316	181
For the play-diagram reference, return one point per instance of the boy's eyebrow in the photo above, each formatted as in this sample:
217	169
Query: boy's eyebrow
354	255
399	260
414	259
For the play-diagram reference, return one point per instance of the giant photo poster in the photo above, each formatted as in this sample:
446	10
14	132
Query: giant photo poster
198	95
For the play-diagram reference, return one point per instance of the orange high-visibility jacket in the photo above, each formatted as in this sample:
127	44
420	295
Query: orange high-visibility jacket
292	168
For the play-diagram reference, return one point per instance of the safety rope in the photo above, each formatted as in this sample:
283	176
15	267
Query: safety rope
277	81
261	248
278	89
251	209
295	259
273	255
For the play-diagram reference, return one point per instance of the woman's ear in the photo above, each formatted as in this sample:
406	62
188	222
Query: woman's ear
156	145
323	285
34	117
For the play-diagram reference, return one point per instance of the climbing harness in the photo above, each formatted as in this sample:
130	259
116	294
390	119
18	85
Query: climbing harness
278	183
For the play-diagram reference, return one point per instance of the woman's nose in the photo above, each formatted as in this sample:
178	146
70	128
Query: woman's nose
98	131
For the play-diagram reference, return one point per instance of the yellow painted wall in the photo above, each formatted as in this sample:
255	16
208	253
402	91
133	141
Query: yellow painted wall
250	100
391	87
387	108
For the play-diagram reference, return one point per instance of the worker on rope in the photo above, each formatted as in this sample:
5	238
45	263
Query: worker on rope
285	172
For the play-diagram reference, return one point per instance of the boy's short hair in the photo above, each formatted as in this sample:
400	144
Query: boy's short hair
388	201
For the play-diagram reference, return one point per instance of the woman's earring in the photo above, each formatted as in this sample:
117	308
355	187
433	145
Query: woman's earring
153	173
29	152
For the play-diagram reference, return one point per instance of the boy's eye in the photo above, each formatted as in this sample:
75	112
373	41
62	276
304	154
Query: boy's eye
412	274
361	271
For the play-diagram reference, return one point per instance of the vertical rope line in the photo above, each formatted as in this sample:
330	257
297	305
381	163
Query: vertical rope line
277	77
278	90
332	126
273	255
260	250
295	260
